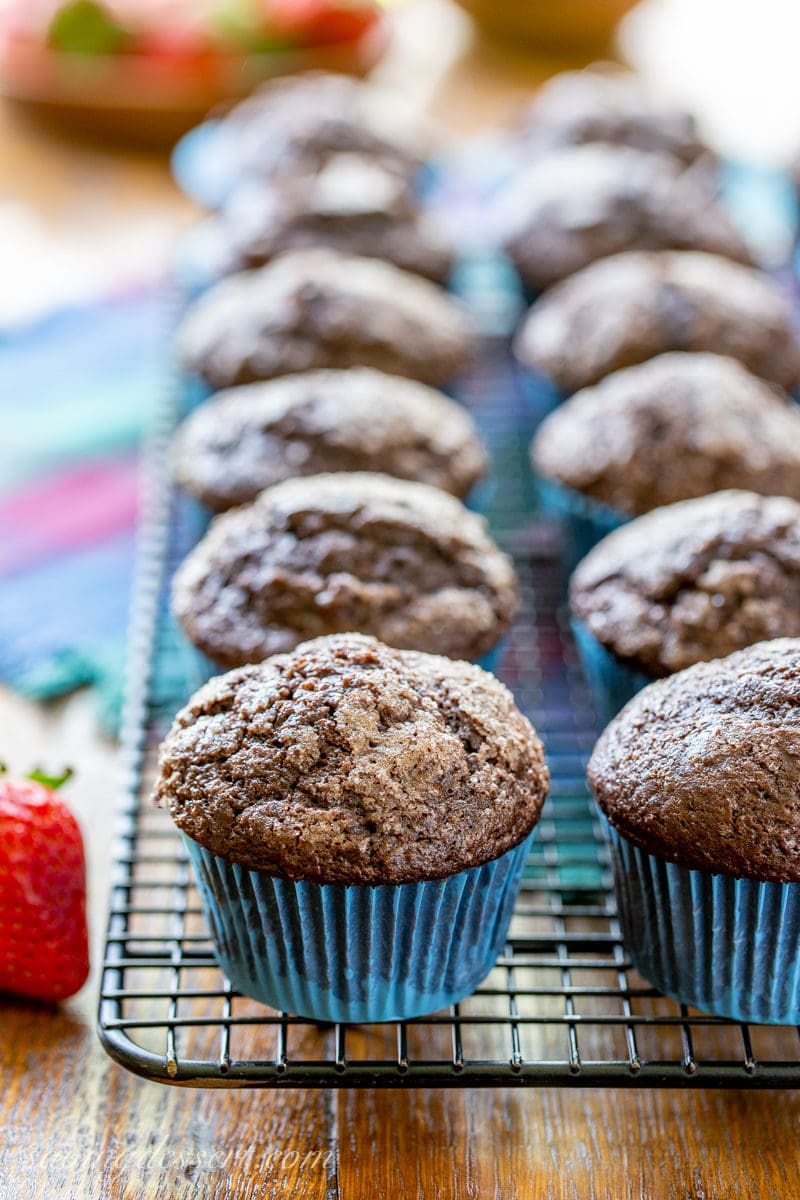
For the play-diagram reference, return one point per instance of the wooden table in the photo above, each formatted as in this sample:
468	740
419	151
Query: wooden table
72	1123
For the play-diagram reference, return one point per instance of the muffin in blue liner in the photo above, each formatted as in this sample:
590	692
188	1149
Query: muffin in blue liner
357	953
698	781
727	946
248	438
684	584
405	562
584	522
358	819
678	427
612	682
318	308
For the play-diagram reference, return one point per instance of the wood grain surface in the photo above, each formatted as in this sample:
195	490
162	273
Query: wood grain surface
74	1125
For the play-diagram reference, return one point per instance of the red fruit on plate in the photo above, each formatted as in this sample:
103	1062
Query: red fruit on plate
44	944
317	22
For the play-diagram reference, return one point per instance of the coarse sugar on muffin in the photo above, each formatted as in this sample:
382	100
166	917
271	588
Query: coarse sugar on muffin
294	124
609	106
693	581
340	552
575	206
630	307
348	762
318	308
249	438
702	768
353	204
674	428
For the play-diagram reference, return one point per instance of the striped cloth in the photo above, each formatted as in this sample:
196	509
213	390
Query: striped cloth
75	393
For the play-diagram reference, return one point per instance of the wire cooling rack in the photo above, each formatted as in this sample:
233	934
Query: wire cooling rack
562	1005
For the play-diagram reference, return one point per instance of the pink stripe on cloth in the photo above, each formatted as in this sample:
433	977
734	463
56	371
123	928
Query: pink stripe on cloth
65	512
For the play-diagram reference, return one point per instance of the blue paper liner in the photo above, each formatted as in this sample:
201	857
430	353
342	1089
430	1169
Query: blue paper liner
584	522
728	946
612	682
357	953
540	394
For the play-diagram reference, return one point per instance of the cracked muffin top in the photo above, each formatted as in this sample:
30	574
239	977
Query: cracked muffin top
626	309
608	106
694	581
675	428
294	124
352	204
318	308
349	762
249	438
578	205
702	768
332	553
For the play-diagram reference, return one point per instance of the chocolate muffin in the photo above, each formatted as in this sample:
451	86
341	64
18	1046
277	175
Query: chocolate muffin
333	553
294	124
248	438
350	762
677	427
317	308
698	780
353	204
606	105
630	307
575	206
693	581
702	768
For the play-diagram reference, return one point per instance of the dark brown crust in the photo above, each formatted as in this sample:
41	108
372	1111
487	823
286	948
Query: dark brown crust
316	308
694	581
249	438
628	308
573	207
702	768
332	553
352	205
347	762
608	106
675	428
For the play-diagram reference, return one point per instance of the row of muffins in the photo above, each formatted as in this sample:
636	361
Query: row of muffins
241	769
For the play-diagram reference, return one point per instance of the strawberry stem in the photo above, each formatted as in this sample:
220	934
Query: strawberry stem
54	782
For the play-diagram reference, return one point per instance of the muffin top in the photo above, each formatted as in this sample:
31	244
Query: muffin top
602	105
349	762
332	553
694	581
294	124
677	427
318	308
702	768
354	204
588	202
625	309
248	438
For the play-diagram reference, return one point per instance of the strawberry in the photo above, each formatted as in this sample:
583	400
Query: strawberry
44	945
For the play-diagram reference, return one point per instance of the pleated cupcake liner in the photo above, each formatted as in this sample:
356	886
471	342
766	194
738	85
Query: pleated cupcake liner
612	682
333	952
730	947
540	394
584	522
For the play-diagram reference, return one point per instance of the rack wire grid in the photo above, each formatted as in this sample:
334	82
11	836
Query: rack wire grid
562	1006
